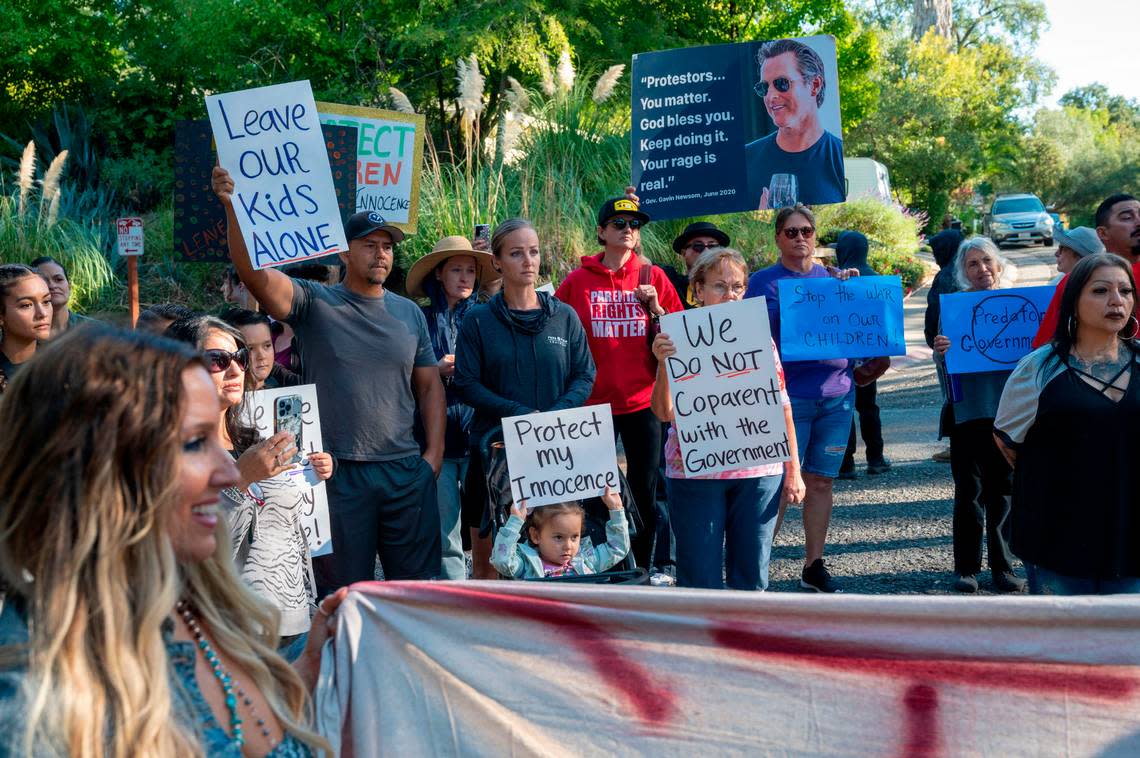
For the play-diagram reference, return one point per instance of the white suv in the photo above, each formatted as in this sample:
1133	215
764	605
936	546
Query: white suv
1018	218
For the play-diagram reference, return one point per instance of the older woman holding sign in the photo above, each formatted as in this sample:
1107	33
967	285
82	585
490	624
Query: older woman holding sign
734	510
982	478
1067	423
821	392
521	352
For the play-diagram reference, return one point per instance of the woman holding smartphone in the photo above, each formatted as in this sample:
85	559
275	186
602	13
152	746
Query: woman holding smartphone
263	510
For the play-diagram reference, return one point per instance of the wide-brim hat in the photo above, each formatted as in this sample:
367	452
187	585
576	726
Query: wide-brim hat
619	205
448	247
1081	240
364	223
699	229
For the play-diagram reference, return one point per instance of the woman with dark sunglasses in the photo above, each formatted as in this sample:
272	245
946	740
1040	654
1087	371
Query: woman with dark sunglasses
821	392
263	510
619	297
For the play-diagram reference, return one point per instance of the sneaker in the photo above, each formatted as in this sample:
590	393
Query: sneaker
817	578
846	472
942	456
966	583
881	466
1007	581
661	579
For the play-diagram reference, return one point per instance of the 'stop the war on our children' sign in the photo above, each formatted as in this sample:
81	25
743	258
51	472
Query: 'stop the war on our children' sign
561	455
270	141
825	318
728	405
991	330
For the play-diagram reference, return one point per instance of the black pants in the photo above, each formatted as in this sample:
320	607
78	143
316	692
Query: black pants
982	485
870	426
386	509
640	434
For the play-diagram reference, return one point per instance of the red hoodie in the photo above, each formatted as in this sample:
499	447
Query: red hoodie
1053	313
616	326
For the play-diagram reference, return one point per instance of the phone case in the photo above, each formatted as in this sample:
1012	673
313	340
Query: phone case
287	418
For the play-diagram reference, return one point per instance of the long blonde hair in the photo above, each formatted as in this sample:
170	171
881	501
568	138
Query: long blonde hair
88	482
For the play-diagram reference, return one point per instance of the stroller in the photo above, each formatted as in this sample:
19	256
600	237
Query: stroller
494	458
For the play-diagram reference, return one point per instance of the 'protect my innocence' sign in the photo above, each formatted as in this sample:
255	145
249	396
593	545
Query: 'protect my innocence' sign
991	330
727	406
561	455
270	141
861	317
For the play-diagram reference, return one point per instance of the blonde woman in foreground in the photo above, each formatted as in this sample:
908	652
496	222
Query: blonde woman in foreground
125	630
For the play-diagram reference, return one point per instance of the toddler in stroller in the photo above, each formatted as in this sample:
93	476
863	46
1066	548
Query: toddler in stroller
555	546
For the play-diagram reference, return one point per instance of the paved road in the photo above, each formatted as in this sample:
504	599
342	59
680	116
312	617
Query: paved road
891	533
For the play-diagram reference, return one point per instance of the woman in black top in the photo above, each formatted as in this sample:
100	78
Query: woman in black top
1068	422
25	317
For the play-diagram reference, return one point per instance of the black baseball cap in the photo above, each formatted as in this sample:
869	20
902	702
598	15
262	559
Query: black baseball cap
364	223
699	229
617	206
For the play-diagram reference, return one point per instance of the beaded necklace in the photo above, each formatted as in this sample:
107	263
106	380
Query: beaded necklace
231	688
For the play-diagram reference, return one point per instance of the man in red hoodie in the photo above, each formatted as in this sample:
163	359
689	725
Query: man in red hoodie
1118	226
619	297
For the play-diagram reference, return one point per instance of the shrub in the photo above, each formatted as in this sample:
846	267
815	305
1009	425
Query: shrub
906	266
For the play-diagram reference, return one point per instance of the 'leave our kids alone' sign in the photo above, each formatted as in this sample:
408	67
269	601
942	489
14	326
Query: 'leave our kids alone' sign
270	140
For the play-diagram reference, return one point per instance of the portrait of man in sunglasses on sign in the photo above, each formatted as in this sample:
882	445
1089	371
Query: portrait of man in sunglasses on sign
800	161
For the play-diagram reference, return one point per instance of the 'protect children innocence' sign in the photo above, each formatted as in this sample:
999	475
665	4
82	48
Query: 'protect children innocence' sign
992	330
727	407
270	141
561	455
825	318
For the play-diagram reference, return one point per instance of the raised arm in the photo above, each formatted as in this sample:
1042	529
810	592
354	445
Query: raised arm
273	289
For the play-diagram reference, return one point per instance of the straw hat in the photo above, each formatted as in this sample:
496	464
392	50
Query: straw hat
448	247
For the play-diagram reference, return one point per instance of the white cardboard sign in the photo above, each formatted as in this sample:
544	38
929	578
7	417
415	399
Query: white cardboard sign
728	410
561	455
310	489
270	140
130	235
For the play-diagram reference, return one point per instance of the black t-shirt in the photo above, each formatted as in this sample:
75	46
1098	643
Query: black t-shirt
818	170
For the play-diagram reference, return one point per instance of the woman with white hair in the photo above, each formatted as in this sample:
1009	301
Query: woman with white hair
982	477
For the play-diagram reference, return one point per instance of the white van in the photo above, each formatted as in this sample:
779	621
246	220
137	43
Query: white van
866	177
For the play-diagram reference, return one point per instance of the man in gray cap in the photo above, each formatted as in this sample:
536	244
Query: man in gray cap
369	354
1072	245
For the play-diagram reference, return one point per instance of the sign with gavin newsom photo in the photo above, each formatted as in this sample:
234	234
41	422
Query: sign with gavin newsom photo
737	127
564	455
727	406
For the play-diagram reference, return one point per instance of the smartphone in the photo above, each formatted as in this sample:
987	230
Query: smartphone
287	418
483	232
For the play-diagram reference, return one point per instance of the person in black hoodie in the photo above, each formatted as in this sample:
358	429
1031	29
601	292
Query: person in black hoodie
521	352
944	246
851	252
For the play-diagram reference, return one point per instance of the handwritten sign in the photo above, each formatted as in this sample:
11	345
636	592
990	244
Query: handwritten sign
269	138
389	156
303	481
130	235
861	317
991	330
561	455
727	406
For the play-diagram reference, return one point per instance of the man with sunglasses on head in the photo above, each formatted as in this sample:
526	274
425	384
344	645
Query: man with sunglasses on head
793	86
368	352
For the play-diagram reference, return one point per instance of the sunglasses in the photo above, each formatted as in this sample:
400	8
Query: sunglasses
700	247
218	361
620	223
781	83
791	232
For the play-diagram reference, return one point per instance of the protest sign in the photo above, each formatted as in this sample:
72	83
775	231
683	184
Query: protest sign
728	411
200	220
389	156
310	490
826	318
992	330
706	141
130	231
269	138
563	455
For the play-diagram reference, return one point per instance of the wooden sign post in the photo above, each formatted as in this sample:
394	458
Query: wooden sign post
131	247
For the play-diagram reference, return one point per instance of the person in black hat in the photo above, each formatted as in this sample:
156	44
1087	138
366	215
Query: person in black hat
689	244
368	352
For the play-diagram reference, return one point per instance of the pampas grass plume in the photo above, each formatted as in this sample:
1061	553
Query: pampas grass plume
53	210
547	77
51	178
27	175
400	101
516	95
606	83
565	71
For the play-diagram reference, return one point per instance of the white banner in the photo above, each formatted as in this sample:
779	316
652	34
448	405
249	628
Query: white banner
270	140
531	669
311	490
727	406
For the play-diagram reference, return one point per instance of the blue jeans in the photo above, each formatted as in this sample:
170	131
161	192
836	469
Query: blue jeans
733	519
1042	581
822	427
453	562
